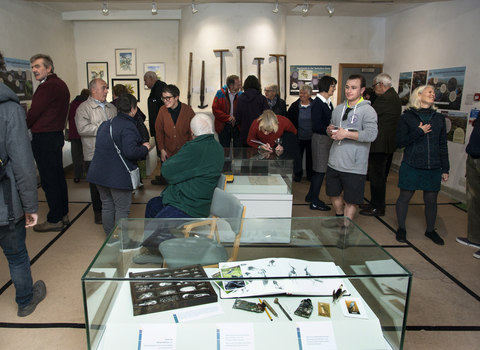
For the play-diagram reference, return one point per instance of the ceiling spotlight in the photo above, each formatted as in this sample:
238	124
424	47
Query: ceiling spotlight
276	7
105	9
330	9
154	8
305	7
194	10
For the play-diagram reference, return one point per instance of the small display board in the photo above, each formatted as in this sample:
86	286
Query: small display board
155	296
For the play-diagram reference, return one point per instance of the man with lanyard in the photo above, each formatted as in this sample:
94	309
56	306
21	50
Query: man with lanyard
90	114
353	128
223	108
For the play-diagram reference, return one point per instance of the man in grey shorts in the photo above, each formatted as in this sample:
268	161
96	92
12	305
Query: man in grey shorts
353	128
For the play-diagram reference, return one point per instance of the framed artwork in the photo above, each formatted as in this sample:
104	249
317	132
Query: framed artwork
157	67
126	61
97	70
132	85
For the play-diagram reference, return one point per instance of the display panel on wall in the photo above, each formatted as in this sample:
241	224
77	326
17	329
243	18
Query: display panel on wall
18	77
404	86
126	61
97	70
448	83
157	67
310	75
132	85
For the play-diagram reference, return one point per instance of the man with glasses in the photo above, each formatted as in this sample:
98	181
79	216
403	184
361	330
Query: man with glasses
353	128
90	114
172	126
223	108
388	108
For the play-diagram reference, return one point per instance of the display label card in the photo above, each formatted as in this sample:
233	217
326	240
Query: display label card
235	336
157	337
353	307
316	336
198	312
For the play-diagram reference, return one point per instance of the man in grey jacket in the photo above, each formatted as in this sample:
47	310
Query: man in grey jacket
353	128
18	199
90	114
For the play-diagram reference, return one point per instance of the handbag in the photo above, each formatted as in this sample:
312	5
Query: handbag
135	173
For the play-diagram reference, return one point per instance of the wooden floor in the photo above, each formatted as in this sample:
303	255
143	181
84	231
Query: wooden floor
445	301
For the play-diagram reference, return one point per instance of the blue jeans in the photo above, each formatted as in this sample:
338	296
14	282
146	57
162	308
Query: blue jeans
13	245
156	209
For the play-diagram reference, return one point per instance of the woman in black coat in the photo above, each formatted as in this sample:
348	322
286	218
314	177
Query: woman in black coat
422	131
107	169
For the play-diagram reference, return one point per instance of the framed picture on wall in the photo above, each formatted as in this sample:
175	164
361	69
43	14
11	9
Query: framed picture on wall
157	67
97	70
132	85
126	61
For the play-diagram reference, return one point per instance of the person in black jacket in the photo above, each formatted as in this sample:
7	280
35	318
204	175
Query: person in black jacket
107	170
276	104
422	131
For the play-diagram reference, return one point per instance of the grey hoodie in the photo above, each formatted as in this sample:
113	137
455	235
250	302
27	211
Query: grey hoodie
16	153
351	156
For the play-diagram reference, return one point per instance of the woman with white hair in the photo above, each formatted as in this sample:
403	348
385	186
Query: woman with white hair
422	131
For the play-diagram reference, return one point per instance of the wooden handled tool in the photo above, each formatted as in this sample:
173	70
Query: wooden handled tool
202	88
189	93
241	63
281	307
277	56
221	63
259	59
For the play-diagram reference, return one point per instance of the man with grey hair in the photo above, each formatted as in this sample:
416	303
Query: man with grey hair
277	105
388	108
191	175
46	118
90	114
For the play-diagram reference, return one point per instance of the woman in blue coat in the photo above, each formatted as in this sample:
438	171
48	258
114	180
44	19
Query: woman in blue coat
422	131
107	169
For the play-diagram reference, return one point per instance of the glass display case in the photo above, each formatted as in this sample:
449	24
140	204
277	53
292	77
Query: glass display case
262	181
326	281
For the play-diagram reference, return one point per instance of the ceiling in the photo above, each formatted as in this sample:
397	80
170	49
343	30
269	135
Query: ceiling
354	8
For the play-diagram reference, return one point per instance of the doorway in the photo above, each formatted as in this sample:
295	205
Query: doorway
368	70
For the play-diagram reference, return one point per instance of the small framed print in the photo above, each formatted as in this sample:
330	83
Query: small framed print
97	70
126	61
132	85
157	67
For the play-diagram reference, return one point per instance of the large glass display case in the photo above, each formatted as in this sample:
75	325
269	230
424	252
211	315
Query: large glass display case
186	306
262	181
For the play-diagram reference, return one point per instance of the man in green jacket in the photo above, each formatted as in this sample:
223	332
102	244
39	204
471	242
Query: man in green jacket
388	108
191	175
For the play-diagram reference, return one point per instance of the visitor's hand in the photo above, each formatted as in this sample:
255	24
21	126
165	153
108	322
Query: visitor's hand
163	155
279	148
31	219
444	177
232	120
266	147
426	128
329	129
147	144
340	134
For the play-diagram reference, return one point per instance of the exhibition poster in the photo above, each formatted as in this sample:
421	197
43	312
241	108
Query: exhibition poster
18	77
456	123
448	83
310	75
404	86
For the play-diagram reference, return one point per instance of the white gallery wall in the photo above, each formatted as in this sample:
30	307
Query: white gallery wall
433	36
155	41
28	28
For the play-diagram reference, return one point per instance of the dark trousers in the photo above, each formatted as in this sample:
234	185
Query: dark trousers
94	194
377	165
77	157
13	245
226	135
47	150
306	147
291	147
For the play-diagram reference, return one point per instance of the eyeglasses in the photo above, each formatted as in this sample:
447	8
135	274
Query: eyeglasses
167	98
345	115
375	84
268	90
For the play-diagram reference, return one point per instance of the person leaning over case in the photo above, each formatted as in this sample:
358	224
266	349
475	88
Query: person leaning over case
19	182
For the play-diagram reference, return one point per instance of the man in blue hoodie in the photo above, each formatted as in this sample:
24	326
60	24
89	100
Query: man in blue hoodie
18	199
353	128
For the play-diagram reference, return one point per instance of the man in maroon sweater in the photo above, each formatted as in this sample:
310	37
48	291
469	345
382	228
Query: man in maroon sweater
46	119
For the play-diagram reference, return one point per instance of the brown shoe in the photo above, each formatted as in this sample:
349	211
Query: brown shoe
372	212
48	226
98	218
365	206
